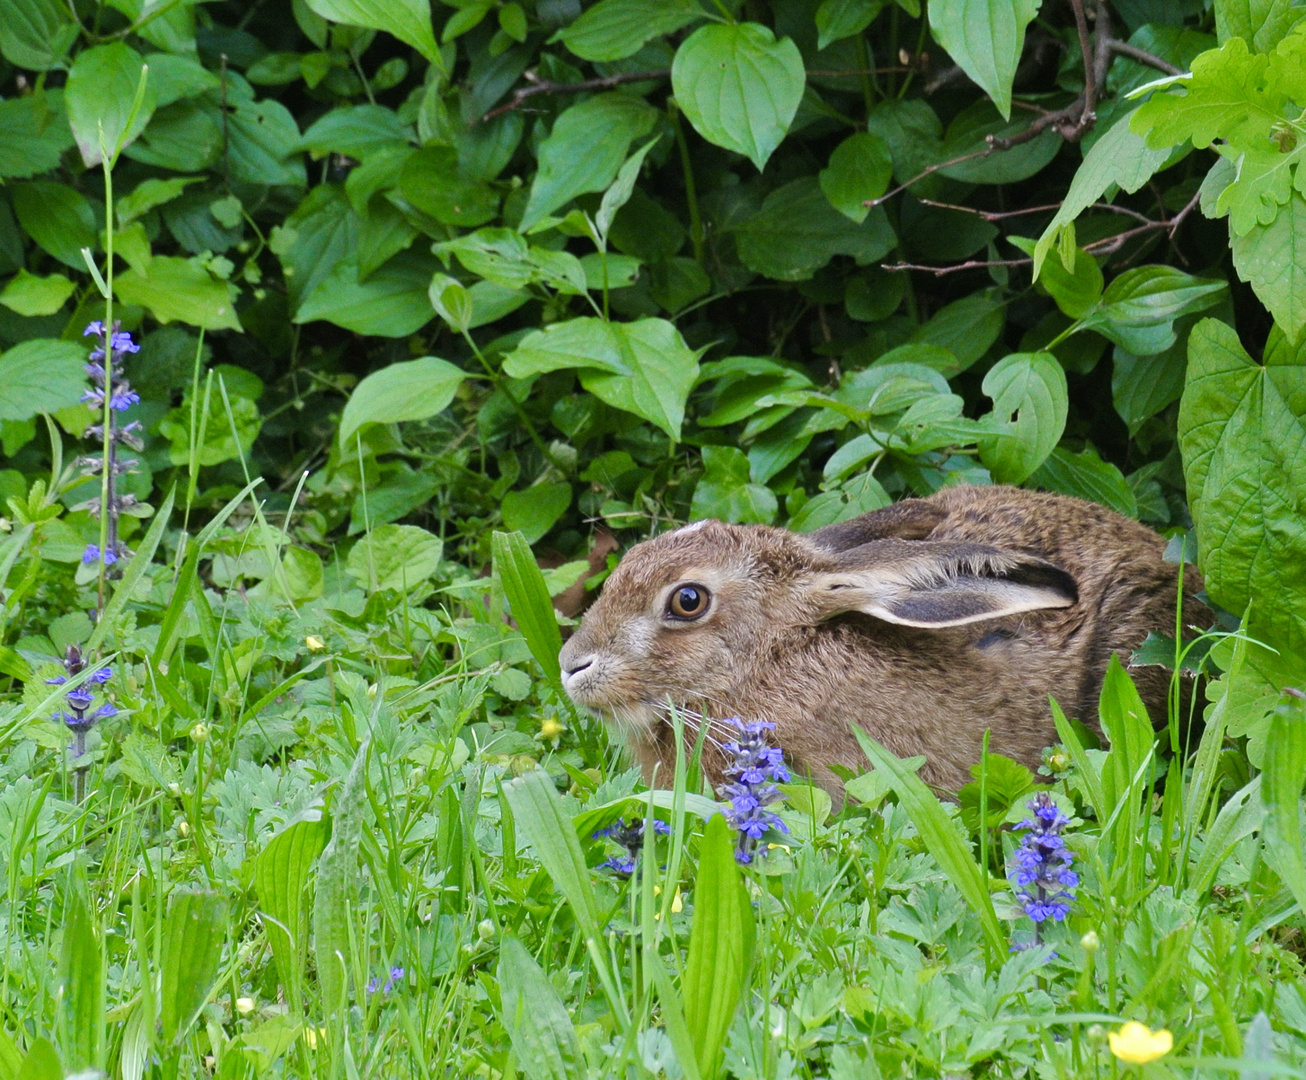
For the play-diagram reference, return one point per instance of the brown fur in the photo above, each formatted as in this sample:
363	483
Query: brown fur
1016	595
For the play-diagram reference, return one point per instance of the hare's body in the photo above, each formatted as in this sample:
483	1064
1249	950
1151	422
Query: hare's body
925	624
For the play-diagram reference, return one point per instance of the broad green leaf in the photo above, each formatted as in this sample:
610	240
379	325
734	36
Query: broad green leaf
721	942
542	1034
41	1062
261	143
966	328
392	302
941	837
81	993
356	130
1119	157
151	193
319	236
537	810
281	875
431	183
1086	476
1138	309
1281	792
1272	260
180	290
1075	290
985	38
182	137
1141	386
739	86
641	367
58	218
1242	432
724	491
797	231
409	390
102	99
1261	23
839	19
615	29
193	932
860	169
35	34
1031	401
41	376
969	132
28	294
335	899
585	149
408	20
528	596
1241	816
34	133
536	509
398	557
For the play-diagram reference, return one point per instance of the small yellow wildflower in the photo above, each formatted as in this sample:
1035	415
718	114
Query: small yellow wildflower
311	1036
550	729
245	1005
1138	1044
314	643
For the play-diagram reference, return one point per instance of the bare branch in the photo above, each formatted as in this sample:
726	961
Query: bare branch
1123	48
543	86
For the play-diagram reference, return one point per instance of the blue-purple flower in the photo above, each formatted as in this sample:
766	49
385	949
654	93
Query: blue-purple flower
631	838
755	767
1042	877
374	984
78	716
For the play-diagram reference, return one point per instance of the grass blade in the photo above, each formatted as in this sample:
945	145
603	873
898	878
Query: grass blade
541	1032
1281	784
528	597
673	1015
1238	818
720	947
941	839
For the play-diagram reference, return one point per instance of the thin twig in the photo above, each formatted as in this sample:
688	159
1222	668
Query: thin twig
544	86
1142	56
1002	215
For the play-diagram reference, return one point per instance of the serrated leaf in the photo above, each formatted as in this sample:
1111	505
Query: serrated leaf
337	885
1272	260
409	390
985	38
398	557
1031	401
1261	23
739	87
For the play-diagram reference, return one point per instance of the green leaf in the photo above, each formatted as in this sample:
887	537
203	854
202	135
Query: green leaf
839	19
860	169
356	130
797	231
542	1034
34	132
336	896
1141	386
281	873
151	193
102	98
641	367
41	376
739	87
1031	401
193	932
528	598
410	390
615	29
1262	23
535	510
721	942
1242	432
408	20
1272	260
1119	157
537	810
1076	291
724	491
81	993
966	328
28	294
1087	476
619	193
431	183
969	133
58	218
180	290
1139	308
261	143
320	236
35	34
985	38
41	1062
584	150
1281	789
392	302
398	557
941	839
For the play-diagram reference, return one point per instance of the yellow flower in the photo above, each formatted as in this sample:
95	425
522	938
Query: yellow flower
1138	1044
314	643
550	729
245	1005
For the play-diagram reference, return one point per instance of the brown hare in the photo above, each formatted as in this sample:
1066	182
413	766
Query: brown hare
923	623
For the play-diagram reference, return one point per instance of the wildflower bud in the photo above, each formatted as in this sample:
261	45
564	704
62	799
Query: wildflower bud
183	829
371	690
314	643
174	789
1059	762
485	929
550	729
244	1005
199	733
1090	942
1096	1034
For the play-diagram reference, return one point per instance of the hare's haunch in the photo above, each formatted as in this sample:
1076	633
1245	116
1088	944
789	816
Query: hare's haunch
924	623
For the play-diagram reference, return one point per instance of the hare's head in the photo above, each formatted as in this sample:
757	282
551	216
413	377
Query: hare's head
698	615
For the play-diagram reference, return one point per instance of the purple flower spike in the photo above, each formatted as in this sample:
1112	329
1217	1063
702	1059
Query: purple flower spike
630	837
1042	877
96	328
750	778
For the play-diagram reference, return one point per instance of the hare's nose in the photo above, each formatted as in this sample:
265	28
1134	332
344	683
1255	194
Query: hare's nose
576	666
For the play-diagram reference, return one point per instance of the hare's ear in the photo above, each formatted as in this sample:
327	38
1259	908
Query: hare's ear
935	584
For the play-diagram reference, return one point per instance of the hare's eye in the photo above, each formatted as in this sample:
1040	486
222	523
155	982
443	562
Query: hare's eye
688	602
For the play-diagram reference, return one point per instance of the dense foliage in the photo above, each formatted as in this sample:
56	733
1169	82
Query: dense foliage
412	297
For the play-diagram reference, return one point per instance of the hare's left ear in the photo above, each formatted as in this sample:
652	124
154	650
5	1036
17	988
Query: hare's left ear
933	584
